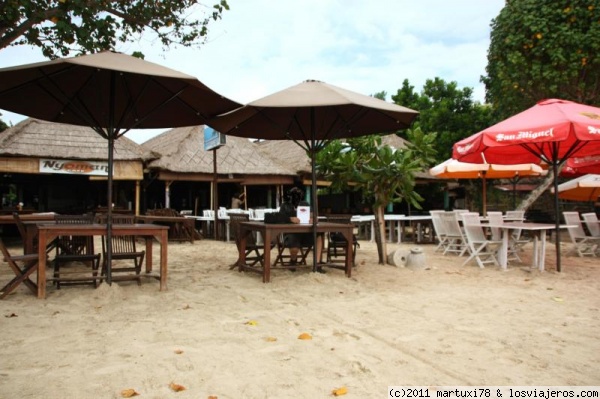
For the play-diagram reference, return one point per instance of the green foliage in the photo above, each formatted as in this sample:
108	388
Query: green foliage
384	174
3	126
60	27
543	49
445	109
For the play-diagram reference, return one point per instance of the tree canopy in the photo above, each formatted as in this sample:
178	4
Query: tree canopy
543	49
446	109
60	27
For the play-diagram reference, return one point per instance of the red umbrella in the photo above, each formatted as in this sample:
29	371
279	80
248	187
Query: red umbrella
551	131
579	166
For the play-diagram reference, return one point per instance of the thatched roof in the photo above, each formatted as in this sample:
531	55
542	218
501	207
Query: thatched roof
37	138
182	151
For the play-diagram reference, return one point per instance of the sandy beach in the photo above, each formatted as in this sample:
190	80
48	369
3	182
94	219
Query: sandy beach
218	333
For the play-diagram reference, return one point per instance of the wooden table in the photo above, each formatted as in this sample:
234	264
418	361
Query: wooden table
40	217
180	228
539	241
268	231
47	232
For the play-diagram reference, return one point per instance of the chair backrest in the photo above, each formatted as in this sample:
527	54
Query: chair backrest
572	218
75	244
20	225
473	228
591	221
451	224
234	224
496	218
438	224
515	215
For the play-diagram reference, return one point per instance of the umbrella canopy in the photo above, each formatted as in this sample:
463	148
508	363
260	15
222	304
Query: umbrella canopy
551	131
111	93
583	188
312	113
579	166
453	169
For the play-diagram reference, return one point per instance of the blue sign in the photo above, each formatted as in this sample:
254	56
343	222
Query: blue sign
213	139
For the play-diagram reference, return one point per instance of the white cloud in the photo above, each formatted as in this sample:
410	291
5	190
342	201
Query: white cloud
263	46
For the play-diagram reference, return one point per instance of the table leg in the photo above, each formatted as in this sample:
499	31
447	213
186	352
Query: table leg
542	259
164	240
536	254
149	254
267	256
503	255
41	272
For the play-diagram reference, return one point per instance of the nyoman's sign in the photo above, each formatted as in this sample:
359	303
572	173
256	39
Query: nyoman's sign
74	167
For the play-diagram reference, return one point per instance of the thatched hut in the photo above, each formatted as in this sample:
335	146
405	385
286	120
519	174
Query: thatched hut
186	171
58	167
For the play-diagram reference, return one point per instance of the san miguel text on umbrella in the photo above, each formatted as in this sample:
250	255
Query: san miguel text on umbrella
525	135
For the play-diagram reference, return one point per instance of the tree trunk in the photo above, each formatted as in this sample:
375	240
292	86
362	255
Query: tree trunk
380	234
534	195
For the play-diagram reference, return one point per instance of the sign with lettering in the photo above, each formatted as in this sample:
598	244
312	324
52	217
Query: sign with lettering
74	167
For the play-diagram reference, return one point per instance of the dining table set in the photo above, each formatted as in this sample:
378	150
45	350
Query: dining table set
41	235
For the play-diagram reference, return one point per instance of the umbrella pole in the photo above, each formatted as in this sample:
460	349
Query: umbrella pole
111	149
111	143
484	199
313	191
556	215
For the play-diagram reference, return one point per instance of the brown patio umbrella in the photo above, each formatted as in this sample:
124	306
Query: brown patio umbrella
111	93
312	113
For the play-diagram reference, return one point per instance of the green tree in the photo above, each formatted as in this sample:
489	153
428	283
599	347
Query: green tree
543	49
446	109
60	27
383	174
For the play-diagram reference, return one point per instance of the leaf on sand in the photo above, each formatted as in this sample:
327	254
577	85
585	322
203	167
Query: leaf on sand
270	339
178	351
305	336
557	299
176	387
129	393
339	391
252	323
212	397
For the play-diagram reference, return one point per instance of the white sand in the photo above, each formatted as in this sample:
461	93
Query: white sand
446	325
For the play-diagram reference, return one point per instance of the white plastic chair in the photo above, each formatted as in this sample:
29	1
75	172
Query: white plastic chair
440	231
457	243
483	250
591	221
583	244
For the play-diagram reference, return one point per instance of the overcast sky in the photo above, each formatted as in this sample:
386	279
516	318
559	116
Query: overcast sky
263	46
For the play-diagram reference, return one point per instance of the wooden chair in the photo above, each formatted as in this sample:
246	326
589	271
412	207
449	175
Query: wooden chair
254	256
336	242
283	260
71	249
123	248
23	266
34	242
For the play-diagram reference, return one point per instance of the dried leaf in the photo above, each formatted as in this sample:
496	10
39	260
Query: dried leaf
129	393
339	391
305	336
212	397
557	299
11	315
176	387
270	339
178	351
252	323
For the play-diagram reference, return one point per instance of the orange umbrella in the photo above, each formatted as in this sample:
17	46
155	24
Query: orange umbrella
584	188
453	169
